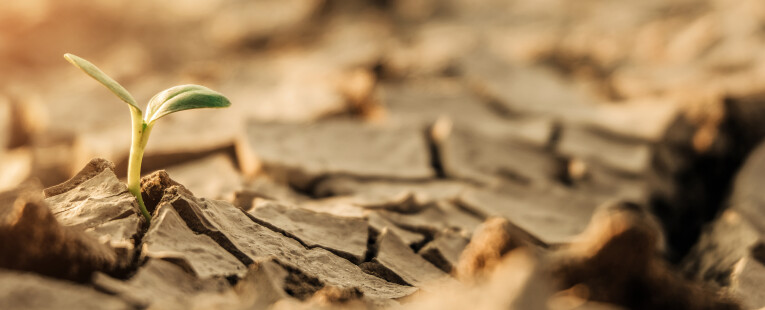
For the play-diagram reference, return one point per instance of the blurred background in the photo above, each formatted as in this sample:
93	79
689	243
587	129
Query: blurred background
596	82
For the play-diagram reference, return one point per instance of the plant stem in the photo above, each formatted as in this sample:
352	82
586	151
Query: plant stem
140	137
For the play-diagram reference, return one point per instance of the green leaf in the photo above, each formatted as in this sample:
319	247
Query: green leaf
183	97
101	77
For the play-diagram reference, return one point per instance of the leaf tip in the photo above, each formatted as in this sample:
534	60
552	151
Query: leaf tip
69	57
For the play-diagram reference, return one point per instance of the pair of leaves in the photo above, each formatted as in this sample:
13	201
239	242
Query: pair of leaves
171	100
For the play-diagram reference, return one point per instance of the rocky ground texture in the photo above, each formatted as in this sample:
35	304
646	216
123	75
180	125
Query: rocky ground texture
403	154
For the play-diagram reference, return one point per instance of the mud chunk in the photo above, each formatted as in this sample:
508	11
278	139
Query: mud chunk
280	151
170	239
600	181
379	222
627	157
420	103
95	201
552	214
342	206
212	177
445	250
435	218
31	239
344	236
272	281
397	257
164	285
29	291
247	240
515	88
404	202
153	188
92	169
468	155
491	241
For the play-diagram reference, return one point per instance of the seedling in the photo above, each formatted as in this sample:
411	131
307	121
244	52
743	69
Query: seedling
171	100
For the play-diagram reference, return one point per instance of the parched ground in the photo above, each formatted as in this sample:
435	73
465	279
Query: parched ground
407	154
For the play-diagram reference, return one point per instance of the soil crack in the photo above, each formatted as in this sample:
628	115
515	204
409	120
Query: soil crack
273	228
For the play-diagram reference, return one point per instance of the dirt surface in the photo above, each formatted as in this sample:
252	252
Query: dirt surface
403	154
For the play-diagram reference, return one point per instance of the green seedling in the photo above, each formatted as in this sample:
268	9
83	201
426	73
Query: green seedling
171	100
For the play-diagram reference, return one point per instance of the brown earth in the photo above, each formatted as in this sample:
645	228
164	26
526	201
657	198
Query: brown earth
408	154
